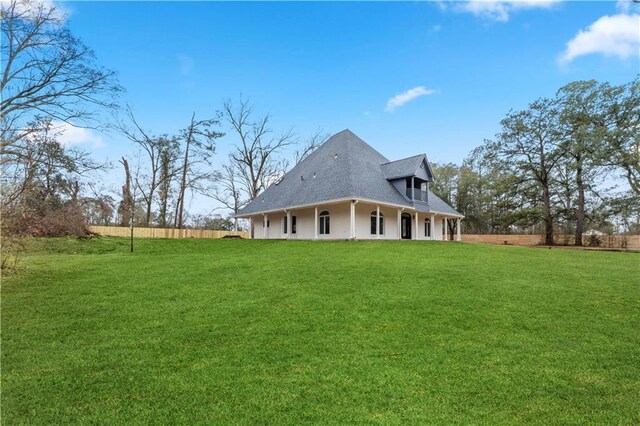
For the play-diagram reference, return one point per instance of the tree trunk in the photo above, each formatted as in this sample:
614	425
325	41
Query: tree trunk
148	216
164	188
150	198
580	215
183	181
548	217
125	207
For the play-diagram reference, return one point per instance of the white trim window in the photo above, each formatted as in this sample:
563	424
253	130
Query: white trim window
380	229
427	228
324	223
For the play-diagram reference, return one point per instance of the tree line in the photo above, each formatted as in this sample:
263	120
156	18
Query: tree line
561	165
50	78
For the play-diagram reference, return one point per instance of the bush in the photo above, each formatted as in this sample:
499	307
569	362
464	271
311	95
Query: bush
52	220
594	241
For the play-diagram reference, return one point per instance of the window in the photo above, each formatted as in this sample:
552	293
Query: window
284	221
373	223
293	224
427	227
324	223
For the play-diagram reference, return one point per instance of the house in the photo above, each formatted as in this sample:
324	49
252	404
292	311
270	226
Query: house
345	189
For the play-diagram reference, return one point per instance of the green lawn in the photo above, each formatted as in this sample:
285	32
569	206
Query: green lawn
223	331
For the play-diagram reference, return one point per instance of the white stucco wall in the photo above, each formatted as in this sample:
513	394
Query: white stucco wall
340	223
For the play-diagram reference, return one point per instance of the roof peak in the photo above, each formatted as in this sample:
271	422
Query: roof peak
406	158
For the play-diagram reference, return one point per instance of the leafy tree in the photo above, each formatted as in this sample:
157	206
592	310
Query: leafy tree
580	118
214	222
529	143
622	124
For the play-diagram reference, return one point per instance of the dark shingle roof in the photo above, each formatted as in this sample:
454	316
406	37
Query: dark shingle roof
402	168
343	167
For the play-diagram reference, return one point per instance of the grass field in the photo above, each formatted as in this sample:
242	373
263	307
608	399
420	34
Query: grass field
223	331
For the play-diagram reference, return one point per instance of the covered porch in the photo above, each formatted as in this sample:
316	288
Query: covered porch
356	220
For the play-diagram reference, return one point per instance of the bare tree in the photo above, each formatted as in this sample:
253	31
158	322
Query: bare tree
199	146
42	187
317	139
46	72
228	191
168	171
158	149
255	156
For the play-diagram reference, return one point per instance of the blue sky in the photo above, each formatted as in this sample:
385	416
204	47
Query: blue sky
337	65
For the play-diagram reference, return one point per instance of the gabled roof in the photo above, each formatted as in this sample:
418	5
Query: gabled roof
344	167
403	168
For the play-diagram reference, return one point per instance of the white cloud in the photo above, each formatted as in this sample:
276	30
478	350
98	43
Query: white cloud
625	5
402	98
615	35
436	28
29	8
500	10
68	135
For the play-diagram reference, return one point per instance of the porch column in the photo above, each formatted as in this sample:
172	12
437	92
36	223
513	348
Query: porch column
353	219
399	223
415	234
432	226
446	229
265	219
458	232
413	192
288	223
377	221
315	221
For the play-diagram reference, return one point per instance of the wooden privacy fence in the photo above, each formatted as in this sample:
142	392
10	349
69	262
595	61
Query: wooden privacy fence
121	231
606	241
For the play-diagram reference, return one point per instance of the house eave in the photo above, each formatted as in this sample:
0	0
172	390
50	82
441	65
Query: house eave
342	200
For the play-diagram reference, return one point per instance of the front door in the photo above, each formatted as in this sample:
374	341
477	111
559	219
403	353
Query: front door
405	226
